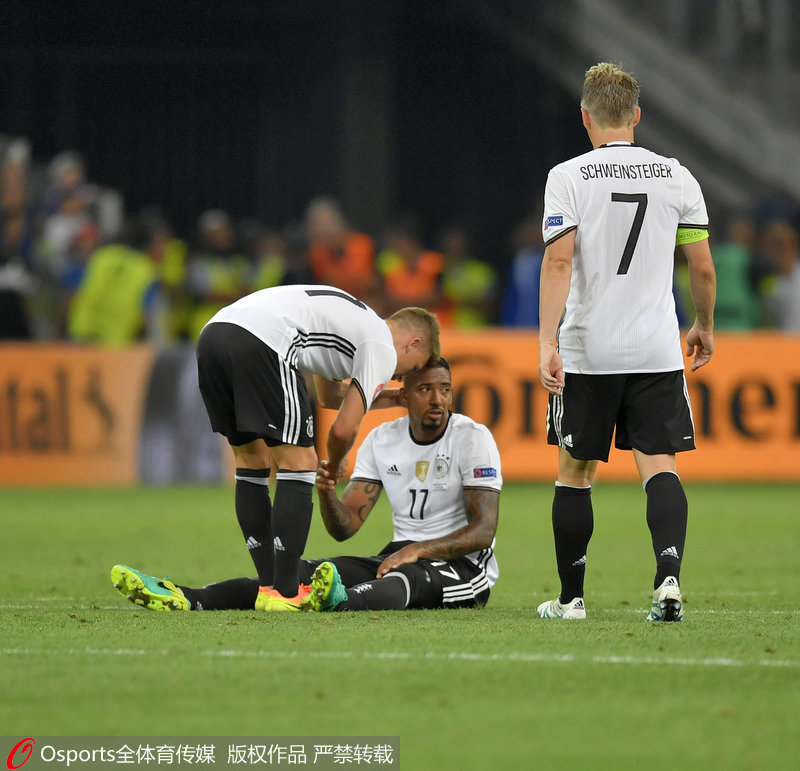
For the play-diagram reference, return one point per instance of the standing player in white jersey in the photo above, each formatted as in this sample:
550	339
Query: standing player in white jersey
251	357
611	222
441	472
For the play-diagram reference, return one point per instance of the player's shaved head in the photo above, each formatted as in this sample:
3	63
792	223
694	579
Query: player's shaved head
416	376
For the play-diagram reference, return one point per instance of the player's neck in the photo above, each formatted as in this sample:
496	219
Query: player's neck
607	136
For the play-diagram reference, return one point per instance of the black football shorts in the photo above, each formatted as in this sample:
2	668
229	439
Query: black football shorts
458	583
249	391
650	412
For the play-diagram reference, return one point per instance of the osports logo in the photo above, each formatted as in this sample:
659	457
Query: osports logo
21	747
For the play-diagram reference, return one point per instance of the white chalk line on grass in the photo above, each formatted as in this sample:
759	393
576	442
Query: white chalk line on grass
511	658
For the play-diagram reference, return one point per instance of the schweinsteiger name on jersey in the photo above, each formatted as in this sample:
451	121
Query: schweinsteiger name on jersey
626	171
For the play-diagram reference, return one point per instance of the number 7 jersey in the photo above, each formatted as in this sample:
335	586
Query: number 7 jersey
625	204
425	482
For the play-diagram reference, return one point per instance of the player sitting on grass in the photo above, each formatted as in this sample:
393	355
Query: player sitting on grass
442	474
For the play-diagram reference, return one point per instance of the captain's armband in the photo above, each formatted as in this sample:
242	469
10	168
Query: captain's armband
690	235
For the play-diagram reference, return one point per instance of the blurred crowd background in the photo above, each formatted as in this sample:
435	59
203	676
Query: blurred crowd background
158	163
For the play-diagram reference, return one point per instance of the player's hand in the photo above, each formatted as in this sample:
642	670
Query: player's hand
342	470
551	368
700	343
404	556
325	482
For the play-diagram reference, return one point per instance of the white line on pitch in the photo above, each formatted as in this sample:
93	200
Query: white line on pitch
514	657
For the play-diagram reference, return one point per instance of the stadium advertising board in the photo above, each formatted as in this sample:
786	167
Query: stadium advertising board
70	415
74	415
84	416
746	407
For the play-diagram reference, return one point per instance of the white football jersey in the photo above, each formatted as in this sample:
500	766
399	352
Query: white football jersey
320	329
626	205
425	482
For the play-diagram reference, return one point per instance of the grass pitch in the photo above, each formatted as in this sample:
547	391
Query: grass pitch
494	688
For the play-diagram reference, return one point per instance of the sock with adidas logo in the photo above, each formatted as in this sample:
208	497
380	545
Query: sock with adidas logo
291	521
667	515
573	524
254	512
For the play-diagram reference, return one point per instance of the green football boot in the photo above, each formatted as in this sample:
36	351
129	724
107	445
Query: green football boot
327	589
148	591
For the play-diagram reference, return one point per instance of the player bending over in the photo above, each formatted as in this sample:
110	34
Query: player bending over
251	357
441	472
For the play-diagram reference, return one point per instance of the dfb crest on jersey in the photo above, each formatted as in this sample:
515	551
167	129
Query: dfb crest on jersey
422	469
441	467
310	426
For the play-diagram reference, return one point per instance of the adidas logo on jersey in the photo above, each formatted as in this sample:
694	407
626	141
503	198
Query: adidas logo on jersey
393	470
278	545
567	440
670	552
252	543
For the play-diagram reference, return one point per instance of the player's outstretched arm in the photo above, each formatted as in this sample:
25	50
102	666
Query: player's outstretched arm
482	509
343	518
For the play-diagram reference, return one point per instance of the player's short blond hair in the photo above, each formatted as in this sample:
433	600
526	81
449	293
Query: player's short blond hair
425	325
610	95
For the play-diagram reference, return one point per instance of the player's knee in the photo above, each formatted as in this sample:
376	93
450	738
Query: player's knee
293	458
253	455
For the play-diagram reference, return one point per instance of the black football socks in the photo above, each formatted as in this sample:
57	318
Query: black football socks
388	593
254	512
667	515
233	594
291	521
573	524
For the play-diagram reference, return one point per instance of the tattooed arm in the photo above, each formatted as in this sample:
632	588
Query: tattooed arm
483	508
344	517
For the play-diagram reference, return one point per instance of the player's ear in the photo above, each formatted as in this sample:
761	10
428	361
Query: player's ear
586	119
413	342
637	116
402	396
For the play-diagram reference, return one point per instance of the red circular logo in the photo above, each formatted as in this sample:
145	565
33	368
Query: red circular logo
23	745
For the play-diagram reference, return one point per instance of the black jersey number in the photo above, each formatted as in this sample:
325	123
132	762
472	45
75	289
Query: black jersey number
423	499
640	199
334	293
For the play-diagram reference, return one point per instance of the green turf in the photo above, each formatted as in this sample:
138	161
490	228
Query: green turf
496	688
